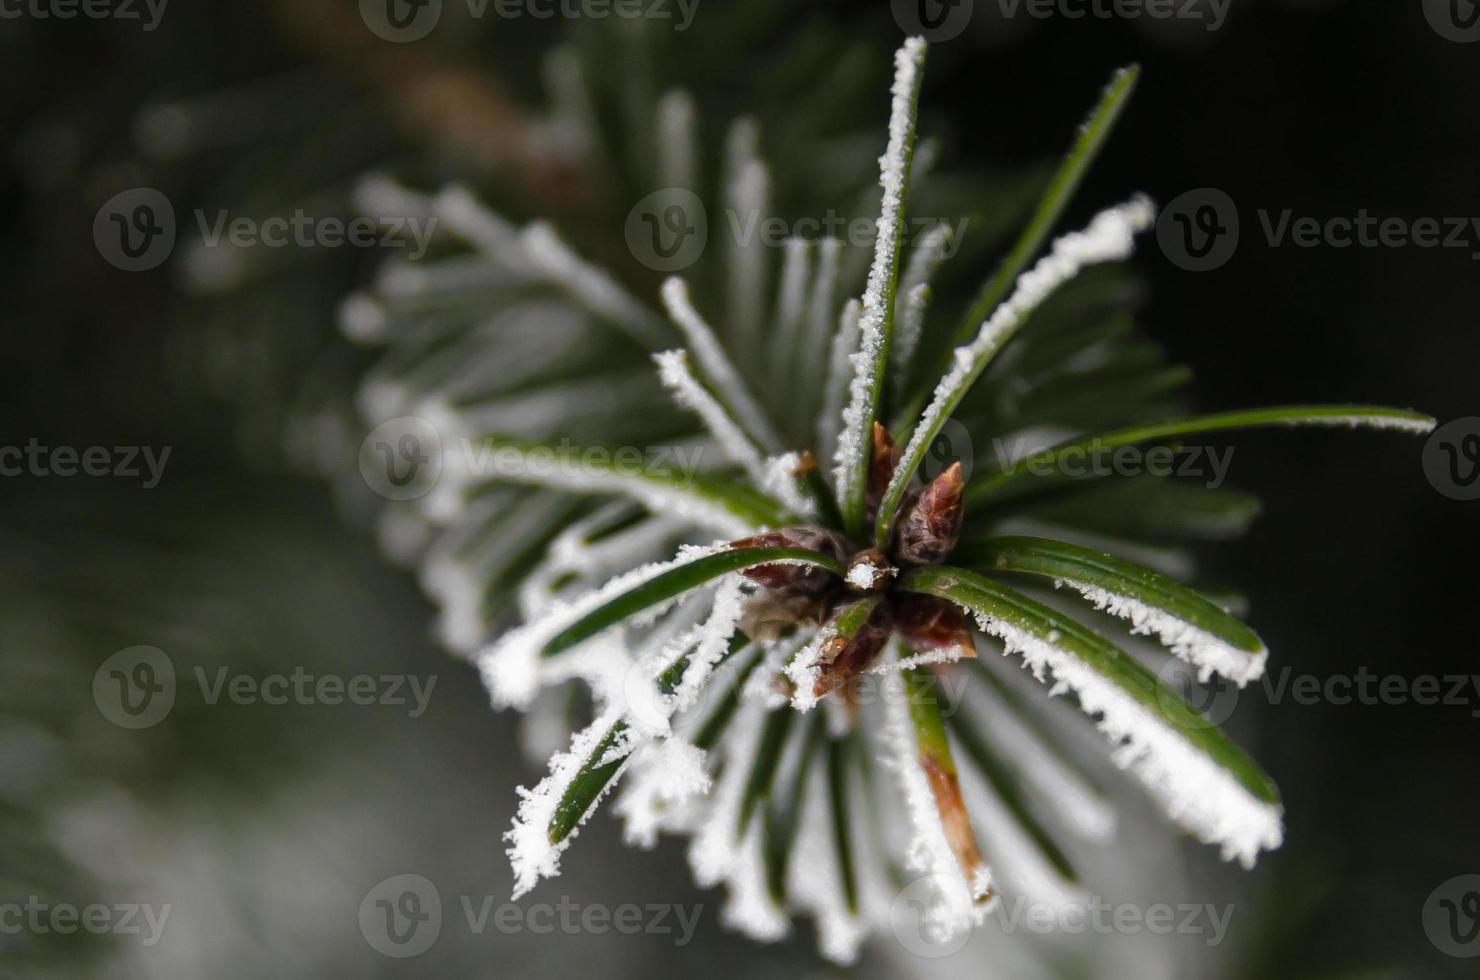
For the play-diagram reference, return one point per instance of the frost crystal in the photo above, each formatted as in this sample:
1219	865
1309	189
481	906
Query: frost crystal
530	850
1208	653
1196	792
873	323
960	903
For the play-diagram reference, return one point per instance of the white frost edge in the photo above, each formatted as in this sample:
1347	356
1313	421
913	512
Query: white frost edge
658	497
928	658
959	905
716	363
780	481
1358	420
679	379
530	853
814	880
912	298
1078	805
1197	794
666	780
712	850
802	670
1196	646
853	442
1017	863
511	667
1110	237
835	394
590	285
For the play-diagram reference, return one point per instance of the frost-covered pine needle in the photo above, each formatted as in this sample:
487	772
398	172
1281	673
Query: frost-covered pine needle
1196	792
590	286
1109	237
913	297
875	322
677	141
1210	654
959	902
835	391
511	667
530	851
717	365
678	378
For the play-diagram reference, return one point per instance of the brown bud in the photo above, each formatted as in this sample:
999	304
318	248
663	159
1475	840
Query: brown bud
926	623
842	658
795	579
883	460
932	522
